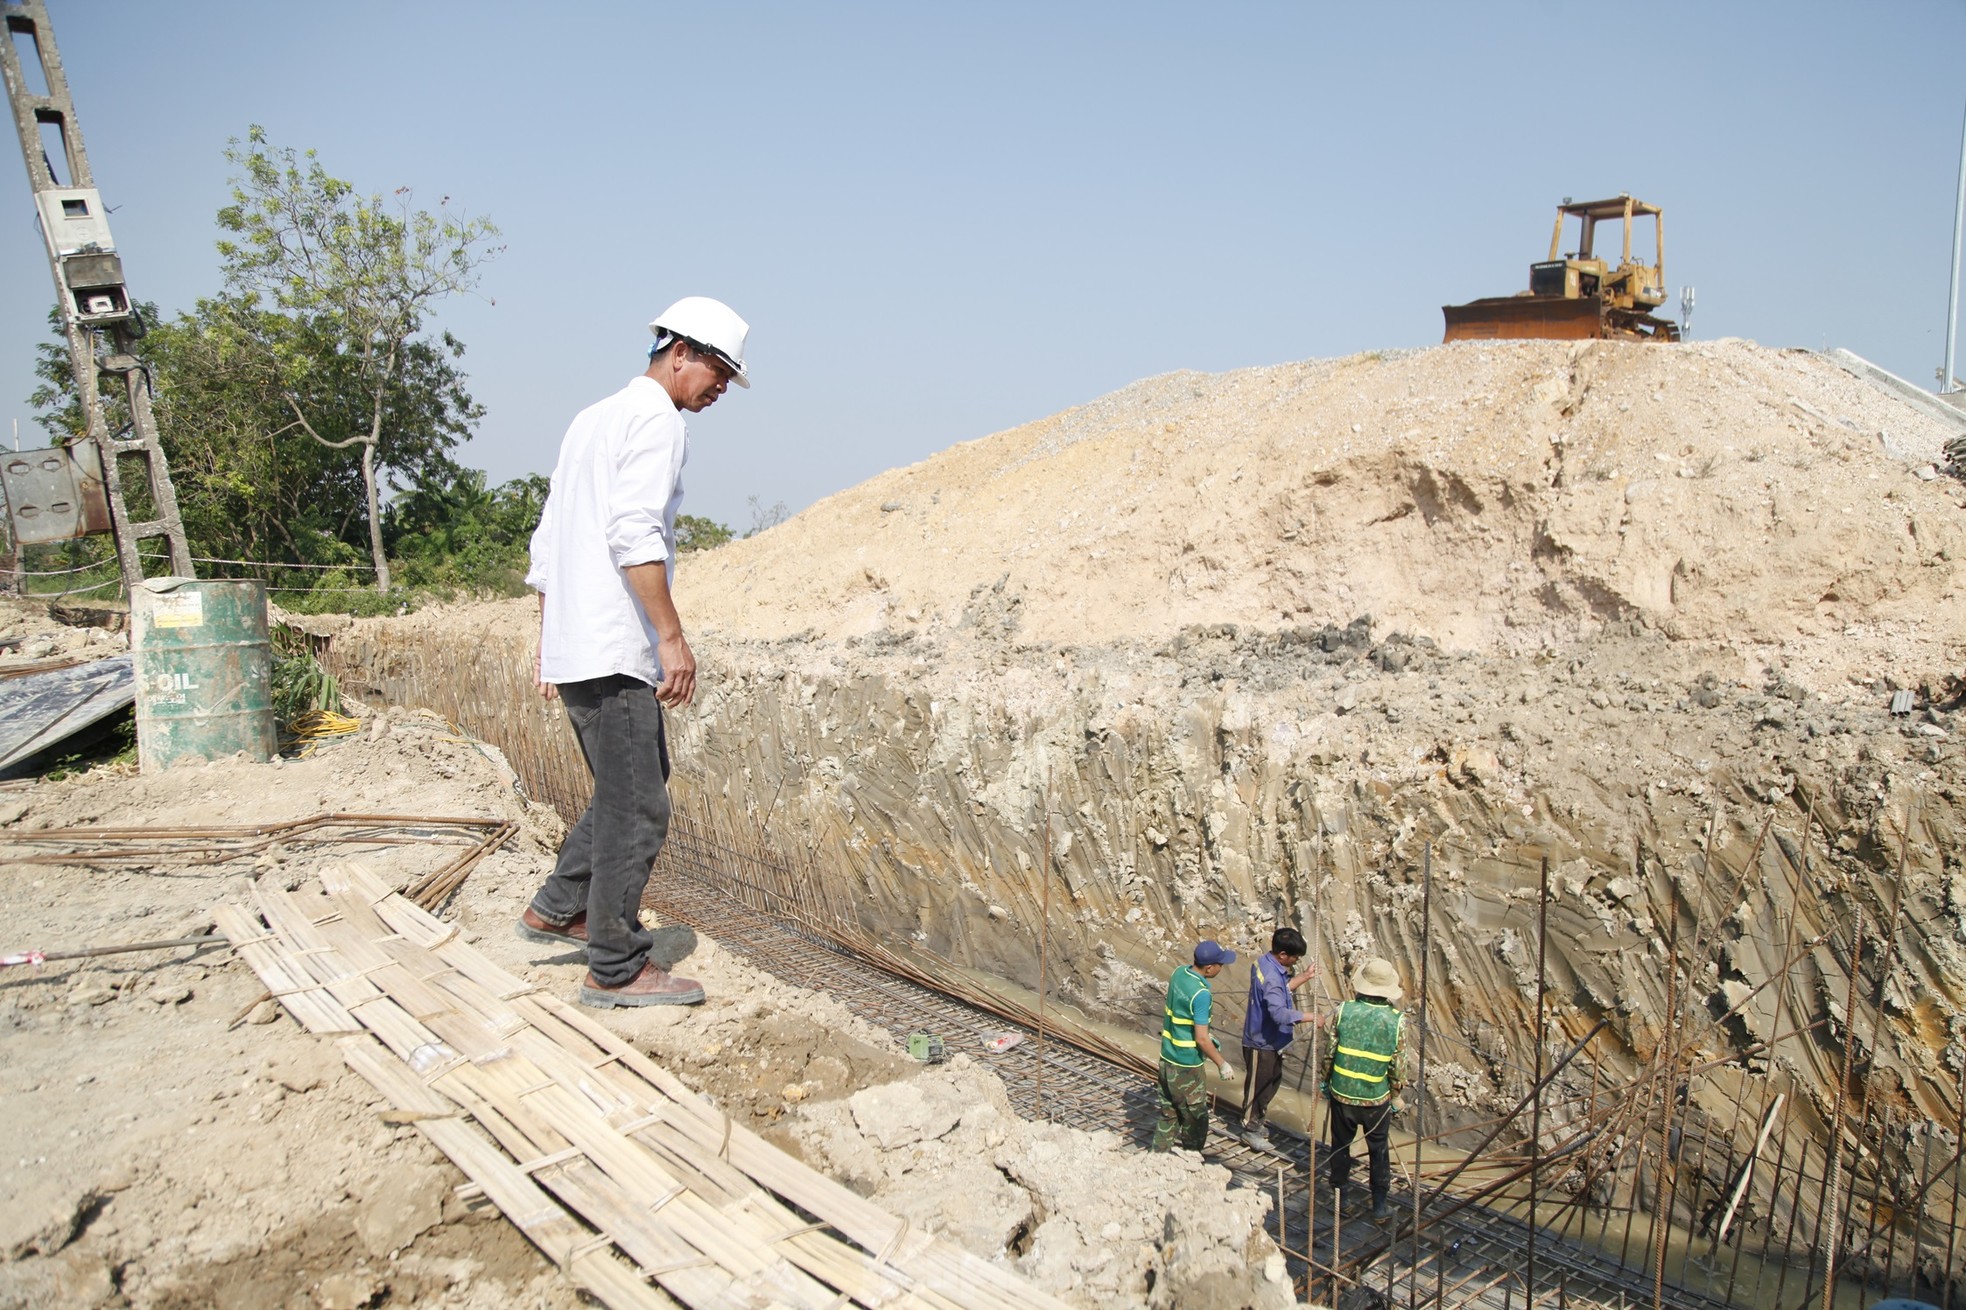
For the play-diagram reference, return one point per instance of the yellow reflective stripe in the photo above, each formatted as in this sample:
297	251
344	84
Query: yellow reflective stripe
1167	1036
1171	1019
1366	1055
1362	1077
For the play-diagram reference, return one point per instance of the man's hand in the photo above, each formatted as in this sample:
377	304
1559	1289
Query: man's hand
1310	972
678	685
547	691
1225	1069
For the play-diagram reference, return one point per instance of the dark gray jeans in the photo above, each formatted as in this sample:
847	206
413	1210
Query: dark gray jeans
604	863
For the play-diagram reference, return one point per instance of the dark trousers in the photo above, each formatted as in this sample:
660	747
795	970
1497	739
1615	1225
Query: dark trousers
1183	1107
1375	1121
604	863
1262	1074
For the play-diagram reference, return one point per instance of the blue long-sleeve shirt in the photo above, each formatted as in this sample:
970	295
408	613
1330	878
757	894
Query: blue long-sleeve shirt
1271	1017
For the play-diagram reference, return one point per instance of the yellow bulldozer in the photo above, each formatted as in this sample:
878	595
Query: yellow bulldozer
1575	295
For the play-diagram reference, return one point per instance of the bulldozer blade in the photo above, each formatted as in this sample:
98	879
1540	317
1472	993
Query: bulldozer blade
1543	318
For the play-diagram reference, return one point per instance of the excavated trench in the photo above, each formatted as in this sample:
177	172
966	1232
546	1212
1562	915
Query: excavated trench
1472	657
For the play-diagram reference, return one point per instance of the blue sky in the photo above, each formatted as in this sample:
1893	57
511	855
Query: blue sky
944	220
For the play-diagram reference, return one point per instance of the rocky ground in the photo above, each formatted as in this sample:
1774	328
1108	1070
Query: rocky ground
173	1141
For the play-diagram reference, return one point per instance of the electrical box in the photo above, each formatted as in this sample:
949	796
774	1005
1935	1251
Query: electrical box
77	230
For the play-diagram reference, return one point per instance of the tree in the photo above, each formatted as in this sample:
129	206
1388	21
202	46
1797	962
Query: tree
356	270
694	532
251	485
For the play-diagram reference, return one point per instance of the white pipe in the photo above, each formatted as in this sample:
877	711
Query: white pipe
1952	292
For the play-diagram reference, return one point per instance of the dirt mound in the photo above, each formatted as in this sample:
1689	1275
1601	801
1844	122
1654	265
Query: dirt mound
1491	497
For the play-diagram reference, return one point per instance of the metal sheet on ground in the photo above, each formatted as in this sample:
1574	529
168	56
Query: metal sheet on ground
46	709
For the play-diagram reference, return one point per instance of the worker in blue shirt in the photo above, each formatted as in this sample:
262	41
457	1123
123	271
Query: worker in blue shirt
1267	1027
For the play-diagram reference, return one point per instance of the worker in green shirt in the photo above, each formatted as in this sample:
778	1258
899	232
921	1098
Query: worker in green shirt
1362	1076
1184	1045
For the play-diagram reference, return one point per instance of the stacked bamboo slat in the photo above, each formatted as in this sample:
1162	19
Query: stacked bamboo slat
607	1162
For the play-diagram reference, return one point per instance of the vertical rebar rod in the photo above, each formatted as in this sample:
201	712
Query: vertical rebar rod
1536	1109
1420	1079
1663	1058
1876	1196
1649	1090
1583	1211
1699	1170
1775	1203
1795	1219
1280	1233
1958	1155
1771	1104
1044	931
1829	1229
1317	1067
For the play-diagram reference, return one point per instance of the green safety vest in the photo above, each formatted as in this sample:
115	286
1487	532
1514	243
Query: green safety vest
1188	1002
1364	1044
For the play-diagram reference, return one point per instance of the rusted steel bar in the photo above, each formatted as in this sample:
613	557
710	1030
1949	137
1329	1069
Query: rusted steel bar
1536	1110
1044	935
8	958
1699	1168
1464	1202
1788	1239
1830	1229
1952	1225
1420	1080
1876	1196
1661	1206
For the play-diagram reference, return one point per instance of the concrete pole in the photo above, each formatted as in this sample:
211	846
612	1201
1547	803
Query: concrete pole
1952	290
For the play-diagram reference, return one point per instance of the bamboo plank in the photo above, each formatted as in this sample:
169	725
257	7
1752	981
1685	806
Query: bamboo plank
293	919
392	974
964	1278
575	1073
754	1219
285	978
435	985
557	1234
634	1170
689	1171
366	1056
686	1273
574	1124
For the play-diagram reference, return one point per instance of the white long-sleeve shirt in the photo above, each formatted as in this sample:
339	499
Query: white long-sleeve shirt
615	493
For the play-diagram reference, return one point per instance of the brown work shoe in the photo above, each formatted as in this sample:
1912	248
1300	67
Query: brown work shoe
653	986
535	929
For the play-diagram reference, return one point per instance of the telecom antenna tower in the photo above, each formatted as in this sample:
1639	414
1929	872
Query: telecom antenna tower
95	303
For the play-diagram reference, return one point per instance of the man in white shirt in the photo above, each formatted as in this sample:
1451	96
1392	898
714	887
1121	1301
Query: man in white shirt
611	644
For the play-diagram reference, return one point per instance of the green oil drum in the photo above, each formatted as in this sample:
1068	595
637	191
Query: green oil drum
204	671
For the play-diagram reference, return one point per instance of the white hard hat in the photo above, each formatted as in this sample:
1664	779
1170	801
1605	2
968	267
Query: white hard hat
708	323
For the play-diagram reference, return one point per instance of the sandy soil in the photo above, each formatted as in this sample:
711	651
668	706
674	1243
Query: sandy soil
173	1140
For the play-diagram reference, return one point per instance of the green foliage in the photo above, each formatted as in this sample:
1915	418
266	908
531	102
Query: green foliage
354	276
293	401
114	742
300	684
450	531
694	532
